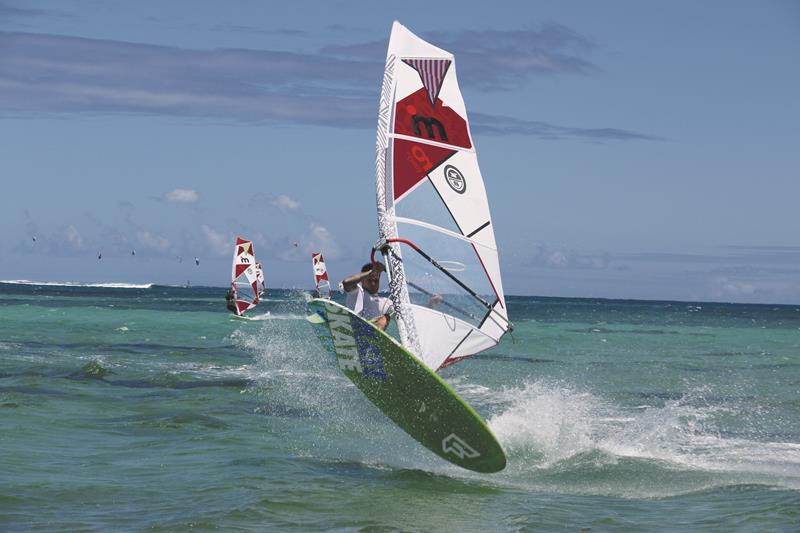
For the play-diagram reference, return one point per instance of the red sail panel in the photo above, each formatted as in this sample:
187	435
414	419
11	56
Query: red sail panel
416	117
255	291
240	269
413	161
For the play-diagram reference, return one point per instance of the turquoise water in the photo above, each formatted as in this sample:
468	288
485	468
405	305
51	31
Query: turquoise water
152	409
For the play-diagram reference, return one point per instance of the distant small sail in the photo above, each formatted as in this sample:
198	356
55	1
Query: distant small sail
262	283
247	279
99	256
321	281
197	261
133	252
34	238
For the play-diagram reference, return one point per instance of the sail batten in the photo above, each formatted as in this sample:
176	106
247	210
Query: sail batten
445	231
430	195
430	142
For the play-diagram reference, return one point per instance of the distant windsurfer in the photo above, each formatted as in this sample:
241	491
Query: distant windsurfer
362	295
262	284
230	301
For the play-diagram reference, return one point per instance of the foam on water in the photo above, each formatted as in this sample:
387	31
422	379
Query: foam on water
558	436
293	371
269	316
551	428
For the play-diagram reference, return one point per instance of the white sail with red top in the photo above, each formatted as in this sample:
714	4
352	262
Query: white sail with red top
245	276
433	214
321	281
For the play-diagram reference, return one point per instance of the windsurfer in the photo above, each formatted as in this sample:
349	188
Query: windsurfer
230	301
262	285
362	295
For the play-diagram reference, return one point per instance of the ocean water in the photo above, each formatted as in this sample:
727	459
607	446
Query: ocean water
151	409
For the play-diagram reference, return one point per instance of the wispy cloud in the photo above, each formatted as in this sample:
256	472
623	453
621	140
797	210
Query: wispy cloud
65	242
334	87
183	196
285	33
545	256
493	59
320	238
74	238
8	11
91	75
502	125
154	242
502	59
219	242
285	202
281	201
755	290
316	238
730	255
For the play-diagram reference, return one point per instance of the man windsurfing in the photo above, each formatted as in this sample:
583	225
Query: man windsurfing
362	295
230	301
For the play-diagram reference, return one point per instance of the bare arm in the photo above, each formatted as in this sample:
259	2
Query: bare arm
350	282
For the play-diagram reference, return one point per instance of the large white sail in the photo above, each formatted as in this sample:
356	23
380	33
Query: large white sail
245	276
444	272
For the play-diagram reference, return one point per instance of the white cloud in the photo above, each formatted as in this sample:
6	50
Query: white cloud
220	244
734	288
321	237
325	88
754	289
285	202
186	196
74	238
322	241
316	239
152	241
557	259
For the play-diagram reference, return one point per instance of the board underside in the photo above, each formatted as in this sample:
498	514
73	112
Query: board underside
405	390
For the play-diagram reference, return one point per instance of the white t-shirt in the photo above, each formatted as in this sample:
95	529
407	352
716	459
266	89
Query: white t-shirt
366	305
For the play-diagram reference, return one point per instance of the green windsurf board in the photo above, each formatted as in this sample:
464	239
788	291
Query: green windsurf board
405	390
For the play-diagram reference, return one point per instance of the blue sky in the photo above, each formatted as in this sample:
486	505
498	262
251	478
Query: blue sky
630	149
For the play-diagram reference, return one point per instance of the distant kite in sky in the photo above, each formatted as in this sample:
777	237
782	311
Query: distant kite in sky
133	252
196	261
34	238
99	256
